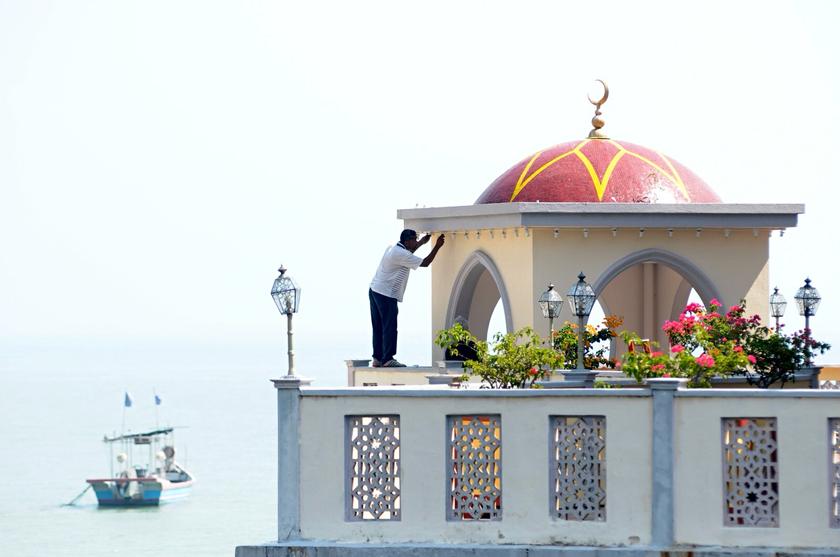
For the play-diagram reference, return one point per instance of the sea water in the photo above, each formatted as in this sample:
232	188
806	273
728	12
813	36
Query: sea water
52	421
52	430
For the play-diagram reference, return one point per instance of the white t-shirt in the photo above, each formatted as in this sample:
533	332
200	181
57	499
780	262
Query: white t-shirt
391	277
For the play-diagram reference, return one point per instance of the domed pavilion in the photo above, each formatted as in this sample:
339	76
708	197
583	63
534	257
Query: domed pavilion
643	228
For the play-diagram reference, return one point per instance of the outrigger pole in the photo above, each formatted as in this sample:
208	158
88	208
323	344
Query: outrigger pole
77	497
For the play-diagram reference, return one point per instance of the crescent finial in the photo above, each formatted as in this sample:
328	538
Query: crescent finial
603	98
597	121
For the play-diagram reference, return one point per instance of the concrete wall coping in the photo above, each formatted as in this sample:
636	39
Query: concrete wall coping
315	548
447	392
407	369
434	391
758	393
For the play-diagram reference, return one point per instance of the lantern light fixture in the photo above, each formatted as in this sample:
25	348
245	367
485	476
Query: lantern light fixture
808	299
581	299
286	294
778	304
550	303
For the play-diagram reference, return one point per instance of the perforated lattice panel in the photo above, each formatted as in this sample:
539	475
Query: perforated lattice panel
373	454
474	467
834	436
578	467
750	472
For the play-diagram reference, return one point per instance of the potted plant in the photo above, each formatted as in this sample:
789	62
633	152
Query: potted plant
512	360
705	343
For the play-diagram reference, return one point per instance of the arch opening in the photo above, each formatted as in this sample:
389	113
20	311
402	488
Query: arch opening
648	288
476	295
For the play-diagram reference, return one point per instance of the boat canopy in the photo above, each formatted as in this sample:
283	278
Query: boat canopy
127	436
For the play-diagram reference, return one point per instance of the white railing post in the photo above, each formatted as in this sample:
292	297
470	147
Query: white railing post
288	456
662	500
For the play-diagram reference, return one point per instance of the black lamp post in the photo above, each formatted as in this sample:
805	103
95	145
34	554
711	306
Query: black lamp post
778	304
550	303
286	294
581	299
808	300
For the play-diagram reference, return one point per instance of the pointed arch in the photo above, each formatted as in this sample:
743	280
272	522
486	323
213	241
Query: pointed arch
704	286
469	297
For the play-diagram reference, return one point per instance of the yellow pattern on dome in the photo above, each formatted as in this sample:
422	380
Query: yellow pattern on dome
599	183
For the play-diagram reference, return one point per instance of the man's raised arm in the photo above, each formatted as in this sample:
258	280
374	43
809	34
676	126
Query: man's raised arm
431	257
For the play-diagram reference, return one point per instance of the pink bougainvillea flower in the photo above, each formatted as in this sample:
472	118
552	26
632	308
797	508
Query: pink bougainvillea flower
666	375
751	358
655	354
657	367
738	349
734	309
677	348
671	326
715	302
704	360
692	308
534	371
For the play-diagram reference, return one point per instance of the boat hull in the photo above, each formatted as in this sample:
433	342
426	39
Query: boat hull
140	492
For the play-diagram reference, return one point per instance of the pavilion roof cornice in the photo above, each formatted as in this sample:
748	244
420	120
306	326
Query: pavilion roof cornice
603	215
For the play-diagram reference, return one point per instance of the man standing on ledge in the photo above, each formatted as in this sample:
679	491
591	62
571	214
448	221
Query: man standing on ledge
387	288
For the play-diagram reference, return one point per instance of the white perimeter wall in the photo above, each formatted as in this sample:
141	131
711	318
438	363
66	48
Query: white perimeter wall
803	467
525	474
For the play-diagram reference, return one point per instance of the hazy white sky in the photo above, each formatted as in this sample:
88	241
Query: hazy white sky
159	160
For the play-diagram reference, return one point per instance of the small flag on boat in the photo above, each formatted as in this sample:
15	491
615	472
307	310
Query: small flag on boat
157	400
127	402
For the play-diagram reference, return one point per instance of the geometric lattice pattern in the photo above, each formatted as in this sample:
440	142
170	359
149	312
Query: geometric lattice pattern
474	467
579	467
750	472
834	436
373	454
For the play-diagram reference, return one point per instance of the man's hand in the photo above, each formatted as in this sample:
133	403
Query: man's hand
425	239
431	257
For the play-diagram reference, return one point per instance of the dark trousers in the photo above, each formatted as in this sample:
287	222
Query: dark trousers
383	317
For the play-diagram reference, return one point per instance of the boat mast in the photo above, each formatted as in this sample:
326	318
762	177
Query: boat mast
111	453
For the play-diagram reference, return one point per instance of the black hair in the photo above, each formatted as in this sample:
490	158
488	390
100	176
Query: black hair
408	234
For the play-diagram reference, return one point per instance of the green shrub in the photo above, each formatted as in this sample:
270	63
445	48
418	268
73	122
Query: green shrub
516	360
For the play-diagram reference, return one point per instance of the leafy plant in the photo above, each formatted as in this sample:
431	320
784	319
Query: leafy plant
566	343
703	342
516	360
777	356
706	343
714	360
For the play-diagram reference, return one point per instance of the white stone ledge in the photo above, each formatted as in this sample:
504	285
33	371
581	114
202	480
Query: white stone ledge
447	392
757	393
407	369
334	549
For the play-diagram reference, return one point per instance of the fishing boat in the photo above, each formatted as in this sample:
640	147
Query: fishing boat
146	473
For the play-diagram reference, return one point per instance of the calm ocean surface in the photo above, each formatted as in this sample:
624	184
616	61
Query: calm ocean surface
51	431
52	420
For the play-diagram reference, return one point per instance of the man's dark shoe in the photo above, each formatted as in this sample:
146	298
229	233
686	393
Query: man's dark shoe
393	363
375	363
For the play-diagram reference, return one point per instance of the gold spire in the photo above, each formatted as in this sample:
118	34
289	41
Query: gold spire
597	121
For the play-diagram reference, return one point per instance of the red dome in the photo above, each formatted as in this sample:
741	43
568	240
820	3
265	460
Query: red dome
596	170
